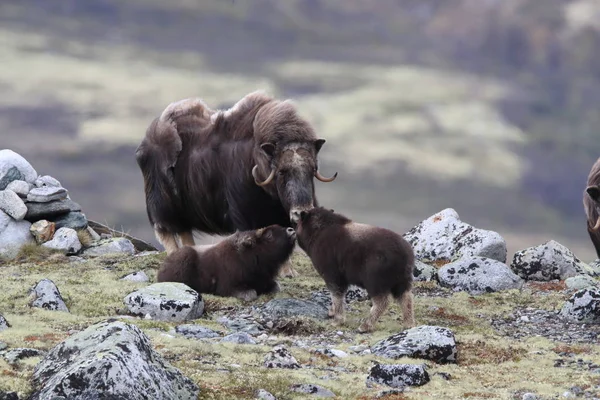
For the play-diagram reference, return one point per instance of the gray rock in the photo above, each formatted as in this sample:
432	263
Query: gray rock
46	194
3	323
13	355
11	175
314	390
478	275
166	301
9	160
42	230
424	272
3	346
47	296
385	394
444	237
280	357
65	240
110	246
583	306
13	235
548	261
37	211
12	204
358	349
109	357
332	353
429	342
529	396
289	308
74	220
581	282
262	394
398	375
21	188
196	331
46	180
355	293
8	395
241	325
139	276
239	338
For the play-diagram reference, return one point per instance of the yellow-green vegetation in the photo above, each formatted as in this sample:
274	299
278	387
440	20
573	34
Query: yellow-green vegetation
489	365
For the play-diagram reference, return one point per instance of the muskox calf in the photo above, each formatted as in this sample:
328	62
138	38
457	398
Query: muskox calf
591	204
244	265
348	253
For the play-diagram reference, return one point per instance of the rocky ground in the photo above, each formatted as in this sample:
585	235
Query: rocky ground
81	316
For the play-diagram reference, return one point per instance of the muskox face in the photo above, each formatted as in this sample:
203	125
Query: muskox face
266	241
292	170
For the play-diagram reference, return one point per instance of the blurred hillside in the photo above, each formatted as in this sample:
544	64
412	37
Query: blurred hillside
486	106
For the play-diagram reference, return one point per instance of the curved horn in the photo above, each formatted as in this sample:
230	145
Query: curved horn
597	226
323	179
267	181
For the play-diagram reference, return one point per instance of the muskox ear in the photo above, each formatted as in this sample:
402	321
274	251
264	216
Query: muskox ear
268	148
593	192
303	215
318	144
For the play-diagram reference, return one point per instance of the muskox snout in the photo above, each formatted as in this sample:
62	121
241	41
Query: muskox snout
291	233
295	217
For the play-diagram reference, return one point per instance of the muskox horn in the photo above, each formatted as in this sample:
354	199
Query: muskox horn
323	179
267	181
597	226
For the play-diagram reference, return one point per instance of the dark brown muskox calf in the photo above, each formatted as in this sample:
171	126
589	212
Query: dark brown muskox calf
348	253
244	265
591	204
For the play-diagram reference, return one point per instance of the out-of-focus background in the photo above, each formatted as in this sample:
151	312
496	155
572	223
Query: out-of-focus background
486	106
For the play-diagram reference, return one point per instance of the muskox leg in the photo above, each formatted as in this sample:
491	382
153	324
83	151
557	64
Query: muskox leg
337	310
380	304
287	271
187	238
406	302
167	240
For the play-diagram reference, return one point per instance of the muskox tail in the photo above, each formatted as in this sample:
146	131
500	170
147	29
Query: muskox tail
156	156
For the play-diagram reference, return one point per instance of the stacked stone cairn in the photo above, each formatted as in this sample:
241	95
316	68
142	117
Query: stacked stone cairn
38	209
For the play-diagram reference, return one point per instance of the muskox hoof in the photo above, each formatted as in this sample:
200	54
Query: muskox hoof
331	313
288	272
364	328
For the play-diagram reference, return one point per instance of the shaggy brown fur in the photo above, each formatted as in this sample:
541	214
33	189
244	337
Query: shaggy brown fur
591	205
347	253
244	265
197	167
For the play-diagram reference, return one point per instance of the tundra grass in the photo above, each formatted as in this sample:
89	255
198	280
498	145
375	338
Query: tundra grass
489	365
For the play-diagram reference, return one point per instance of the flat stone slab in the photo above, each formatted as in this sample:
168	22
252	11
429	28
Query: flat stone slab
196	331
478	275
239	338
166	301
139	276
444	237
428	342
73	219
289	308
46	194
110	246
37	211
109	357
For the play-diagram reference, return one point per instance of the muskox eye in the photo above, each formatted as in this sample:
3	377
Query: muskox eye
269	235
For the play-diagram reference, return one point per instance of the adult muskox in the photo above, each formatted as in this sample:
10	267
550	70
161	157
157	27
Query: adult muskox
591	204
221	171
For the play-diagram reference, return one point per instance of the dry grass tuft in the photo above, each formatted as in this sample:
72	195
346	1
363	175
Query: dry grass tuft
481	352
573	349
446	317
85	238
554	286
34	253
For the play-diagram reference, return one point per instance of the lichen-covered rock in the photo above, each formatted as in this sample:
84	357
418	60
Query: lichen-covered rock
478	275
139	276
14	167
46	295
3	323
262	394
65	240
110	246
286	308
110	357
196	331
42	230
581	282
21	188
37	211
12	204
8	395
444	237
239	338
166	301
583	306
548	261
13	235
332	353
280	357
313	390
14	355
424	272
429	342
241	325
398	375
